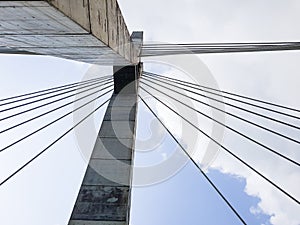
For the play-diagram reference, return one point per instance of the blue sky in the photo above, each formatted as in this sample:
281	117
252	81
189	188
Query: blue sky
186	197
48	187
253	198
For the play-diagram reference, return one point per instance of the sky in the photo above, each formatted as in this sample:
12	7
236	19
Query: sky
182	197
269	76
45	191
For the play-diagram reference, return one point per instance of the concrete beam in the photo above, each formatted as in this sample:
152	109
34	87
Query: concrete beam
98	16
70	29
77	10
103	19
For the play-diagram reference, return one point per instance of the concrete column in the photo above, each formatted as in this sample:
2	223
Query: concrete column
136	39
104	197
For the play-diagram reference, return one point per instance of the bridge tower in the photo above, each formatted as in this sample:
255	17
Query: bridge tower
91	31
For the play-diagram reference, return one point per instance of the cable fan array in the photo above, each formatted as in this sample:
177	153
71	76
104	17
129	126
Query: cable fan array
96	88
205	48
156	86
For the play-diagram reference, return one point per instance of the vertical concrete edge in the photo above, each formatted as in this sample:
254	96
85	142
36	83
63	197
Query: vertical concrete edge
139	69
78	13
102	23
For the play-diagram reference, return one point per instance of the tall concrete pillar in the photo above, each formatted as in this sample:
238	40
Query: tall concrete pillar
91	31
104	197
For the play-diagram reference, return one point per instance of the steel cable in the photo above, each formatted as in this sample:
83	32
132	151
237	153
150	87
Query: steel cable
52	96
228	127
233	99
52	122
243	109
49	146
226	149
50	89
49	103
195	164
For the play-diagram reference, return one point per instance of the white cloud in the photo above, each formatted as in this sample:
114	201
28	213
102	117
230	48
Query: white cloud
281	209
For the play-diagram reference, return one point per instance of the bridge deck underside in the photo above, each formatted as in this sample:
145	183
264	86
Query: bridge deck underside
37	27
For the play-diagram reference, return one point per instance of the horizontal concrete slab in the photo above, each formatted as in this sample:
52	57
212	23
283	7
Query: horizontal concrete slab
36	20
74	25
23	3
77	10
50	41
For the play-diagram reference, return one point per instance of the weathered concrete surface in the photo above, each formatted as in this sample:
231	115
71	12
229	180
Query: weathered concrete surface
98	16
101	203
124	78
137	42
78	222
77	10
104	196
91	31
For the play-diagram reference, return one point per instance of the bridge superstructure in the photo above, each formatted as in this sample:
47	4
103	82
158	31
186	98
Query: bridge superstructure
95	32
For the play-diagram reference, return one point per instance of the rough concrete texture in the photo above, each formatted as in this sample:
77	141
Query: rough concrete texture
102	18
77	10
101	203
78	222
98	15
136	40
104	196
104	193
124	78
91	31
111	148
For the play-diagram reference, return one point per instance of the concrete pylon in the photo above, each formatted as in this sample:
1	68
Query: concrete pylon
104	196
91	31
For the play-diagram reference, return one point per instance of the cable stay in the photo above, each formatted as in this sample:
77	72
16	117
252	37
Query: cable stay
53	143
245	110
224	92
57	100
206	48
223	111
50	111
52	96
225	148
196	164
226	126
53	88
223	96
56	120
